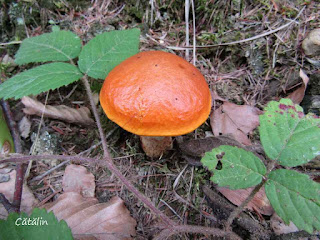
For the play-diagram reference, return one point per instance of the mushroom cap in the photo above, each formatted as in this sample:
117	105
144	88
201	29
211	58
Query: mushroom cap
156	93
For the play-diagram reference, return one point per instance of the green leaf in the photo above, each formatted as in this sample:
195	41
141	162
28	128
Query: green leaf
39	79
295	198
240	168
54	46
287	135
38	226
5	135
107	50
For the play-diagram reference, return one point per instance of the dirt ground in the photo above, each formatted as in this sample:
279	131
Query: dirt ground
251	72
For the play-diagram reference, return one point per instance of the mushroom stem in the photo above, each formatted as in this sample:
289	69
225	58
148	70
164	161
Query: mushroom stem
155	146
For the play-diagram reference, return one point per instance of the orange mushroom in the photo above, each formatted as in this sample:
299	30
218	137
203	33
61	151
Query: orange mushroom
156	95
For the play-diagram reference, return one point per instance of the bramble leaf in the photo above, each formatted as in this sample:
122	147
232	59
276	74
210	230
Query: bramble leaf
39	79
38	226
289	136
295	198
102	53
240	168
54	46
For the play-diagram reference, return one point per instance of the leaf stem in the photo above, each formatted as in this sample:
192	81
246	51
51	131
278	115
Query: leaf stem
239	209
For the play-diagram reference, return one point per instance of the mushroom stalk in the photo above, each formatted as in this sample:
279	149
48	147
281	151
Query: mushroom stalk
155	146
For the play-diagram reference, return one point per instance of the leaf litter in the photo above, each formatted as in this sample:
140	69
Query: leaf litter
62	112
85	215
237	120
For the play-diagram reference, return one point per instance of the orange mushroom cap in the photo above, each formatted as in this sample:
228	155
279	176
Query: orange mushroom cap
156	93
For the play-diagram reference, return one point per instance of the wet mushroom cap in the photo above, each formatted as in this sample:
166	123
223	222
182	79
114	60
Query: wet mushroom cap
156	93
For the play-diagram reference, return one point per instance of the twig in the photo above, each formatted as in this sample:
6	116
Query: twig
19	158
17	196
196	229
186	16
97	118
7	205
244	40
240	208
10	43
194	33
37	178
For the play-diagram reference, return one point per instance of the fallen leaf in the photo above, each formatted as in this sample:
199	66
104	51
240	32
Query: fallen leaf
279	227
298	95
87	218
62	112
259	203
104	221
78	179
24	127
237	120
7	188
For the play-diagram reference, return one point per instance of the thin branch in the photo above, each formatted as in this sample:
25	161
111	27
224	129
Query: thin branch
7	205
186	18
97	118
196	229
17	196
240	208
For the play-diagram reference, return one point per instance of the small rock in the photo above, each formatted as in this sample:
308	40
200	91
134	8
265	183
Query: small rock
311	44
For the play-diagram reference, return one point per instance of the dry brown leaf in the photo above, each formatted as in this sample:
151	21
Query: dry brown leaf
105	221
62	112
85	215
7	188
78	179
298	95
237	120
279	227
259	203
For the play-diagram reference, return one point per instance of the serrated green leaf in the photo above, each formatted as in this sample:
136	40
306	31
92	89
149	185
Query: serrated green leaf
240	168
295	198
54	46
102	53
39	79
38	226
287	135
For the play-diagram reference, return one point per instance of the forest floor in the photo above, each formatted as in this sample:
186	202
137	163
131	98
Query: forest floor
257	69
